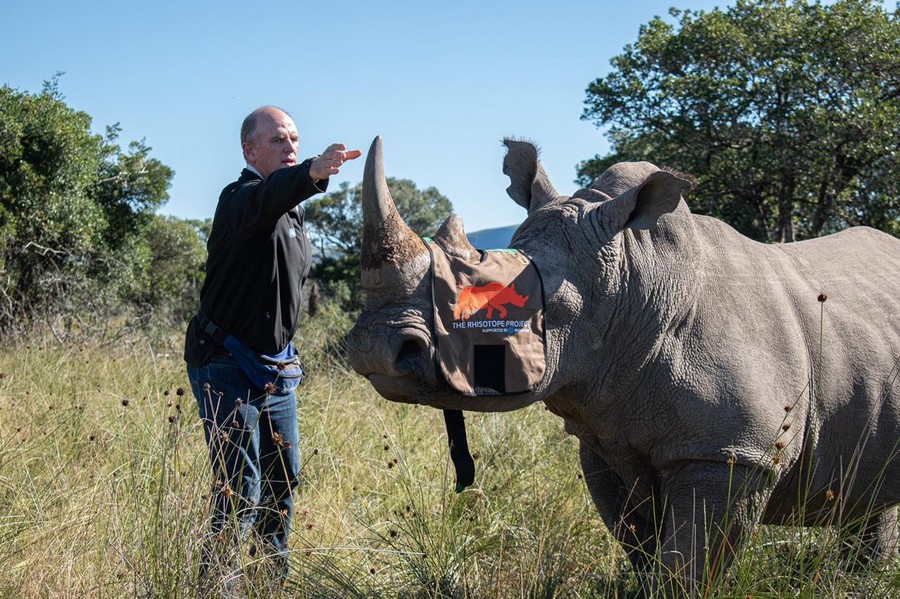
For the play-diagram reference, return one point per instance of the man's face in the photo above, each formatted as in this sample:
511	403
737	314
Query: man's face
273	144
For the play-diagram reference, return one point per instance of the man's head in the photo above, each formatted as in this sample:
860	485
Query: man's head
269	140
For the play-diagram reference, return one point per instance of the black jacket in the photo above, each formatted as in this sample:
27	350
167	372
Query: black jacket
259	257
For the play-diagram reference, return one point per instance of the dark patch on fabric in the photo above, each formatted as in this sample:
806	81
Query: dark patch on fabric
489	369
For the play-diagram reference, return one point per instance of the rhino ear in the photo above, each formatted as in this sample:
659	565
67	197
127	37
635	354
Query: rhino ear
451	237
529	187
641	206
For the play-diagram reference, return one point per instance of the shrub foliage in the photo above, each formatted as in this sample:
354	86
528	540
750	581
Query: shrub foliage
80	240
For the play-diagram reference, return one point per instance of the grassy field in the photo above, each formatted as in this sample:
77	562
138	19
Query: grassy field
104	483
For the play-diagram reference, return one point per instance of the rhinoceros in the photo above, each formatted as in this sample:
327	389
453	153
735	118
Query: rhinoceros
713	382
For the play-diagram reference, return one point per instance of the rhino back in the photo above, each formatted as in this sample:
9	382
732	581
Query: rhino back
857	395
818	376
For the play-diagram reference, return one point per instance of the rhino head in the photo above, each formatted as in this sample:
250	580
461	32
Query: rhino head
572	240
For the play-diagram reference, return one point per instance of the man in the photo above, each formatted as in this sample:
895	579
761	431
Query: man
259	257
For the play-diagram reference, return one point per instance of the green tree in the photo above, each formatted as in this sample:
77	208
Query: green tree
174	258
130	187
785	111
335	223
73	209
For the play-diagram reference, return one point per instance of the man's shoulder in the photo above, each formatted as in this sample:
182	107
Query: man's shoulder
252	196
247	177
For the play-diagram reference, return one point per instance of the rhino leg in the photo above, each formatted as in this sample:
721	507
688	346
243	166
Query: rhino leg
709	510
872	541
630	520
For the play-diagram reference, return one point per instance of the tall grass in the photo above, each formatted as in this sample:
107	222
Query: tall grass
104	484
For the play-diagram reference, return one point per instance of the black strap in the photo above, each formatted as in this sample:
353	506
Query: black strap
211	328
459	449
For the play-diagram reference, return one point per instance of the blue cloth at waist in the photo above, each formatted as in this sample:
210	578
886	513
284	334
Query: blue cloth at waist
284	355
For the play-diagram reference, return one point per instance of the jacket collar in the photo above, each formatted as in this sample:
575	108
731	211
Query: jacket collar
250	173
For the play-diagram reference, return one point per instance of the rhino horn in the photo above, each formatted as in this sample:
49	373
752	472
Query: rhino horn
386	239
452	239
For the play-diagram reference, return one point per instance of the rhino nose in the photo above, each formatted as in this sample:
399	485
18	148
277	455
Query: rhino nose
390	351
361	351
412	350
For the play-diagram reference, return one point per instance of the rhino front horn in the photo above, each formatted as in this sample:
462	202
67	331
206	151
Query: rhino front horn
386	238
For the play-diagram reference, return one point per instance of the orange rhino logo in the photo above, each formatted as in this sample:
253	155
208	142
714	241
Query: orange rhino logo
494	296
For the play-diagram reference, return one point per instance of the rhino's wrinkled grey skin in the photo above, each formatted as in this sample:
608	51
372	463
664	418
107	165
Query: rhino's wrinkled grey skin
701	371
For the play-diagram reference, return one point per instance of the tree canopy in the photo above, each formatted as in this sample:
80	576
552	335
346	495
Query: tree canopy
78	229
786	112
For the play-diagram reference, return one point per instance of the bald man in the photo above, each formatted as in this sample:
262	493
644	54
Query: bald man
241	362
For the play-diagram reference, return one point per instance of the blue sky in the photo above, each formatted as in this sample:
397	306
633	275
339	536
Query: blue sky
441	82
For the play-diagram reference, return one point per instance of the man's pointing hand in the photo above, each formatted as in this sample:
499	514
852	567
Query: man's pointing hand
330	161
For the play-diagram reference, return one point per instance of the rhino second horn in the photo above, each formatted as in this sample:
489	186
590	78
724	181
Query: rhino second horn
452	239
386	238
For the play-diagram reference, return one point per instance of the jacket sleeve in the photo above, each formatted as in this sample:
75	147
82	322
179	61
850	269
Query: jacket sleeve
254	206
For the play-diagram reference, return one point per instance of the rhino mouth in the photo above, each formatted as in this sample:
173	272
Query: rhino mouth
402	389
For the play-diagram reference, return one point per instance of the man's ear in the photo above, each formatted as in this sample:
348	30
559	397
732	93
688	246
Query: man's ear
529	187
249	153
641	206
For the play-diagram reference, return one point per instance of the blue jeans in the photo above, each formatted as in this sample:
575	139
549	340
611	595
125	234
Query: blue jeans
253	441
